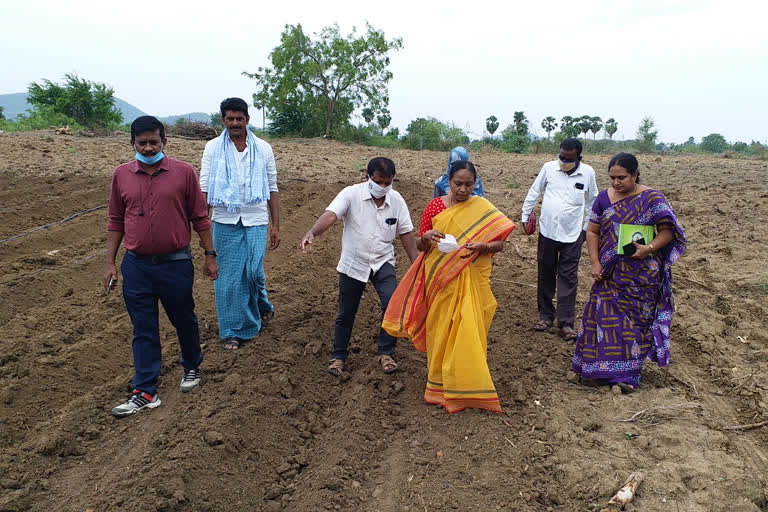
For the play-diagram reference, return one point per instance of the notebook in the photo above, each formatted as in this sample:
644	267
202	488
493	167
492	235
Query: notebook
633	232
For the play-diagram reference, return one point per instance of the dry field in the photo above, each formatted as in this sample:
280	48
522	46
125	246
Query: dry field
270	430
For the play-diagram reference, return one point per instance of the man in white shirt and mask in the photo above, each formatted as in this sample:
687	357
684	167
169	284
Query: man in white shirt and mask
569	189
373	216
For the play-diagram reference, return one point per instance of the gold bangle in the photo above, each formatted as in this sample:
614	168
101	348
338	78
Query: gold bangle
651	246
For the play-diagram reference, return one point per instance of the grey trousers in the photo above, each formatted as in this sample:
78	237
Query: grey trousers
558	266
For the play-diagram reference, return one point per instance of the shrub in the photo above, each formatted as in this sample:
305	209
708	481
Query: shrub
40	119
429	133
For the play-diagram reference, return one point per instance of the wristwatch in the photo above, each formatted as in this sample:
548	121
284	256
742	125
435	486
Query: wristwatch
211	253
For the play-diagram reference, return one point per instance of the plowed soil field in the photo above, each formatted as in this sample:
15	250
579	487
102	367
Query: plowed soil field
269	430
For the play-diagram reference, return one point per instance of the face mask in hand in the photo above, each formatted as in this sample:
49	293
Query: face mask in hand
377	190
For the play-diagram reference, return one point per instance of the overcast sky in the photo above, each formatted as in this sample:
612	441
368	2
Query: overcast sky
696	67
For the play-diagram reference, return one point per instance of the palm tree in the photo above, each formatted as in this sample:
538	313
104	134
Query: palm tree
584	123
566	121
368	114
549	124
492	124
611	127
595	125
384	119
521	123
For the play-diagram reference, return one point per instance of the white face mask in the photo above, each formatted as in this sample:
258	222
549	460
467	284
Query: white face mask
377	190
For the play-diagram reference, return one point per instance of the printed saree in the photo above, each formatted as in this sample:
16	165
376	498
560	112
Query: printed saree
628	314
445	305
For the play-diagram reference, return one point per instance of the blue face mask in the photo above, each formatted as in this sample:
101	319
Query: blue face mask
150	160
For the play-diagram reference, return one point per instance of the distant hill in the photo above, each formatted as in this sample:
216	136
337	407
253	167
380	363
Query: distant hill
16	103
193	117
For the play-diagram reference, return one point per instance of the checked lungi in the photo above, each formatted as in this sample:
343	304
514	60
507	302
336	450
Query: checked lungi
241	292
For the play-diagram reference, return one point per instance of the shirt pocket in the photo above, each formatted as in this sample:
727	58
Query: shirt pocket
575	196
388	231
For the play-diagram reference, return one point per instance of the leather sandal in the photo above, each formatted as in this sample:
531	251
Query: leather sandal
568	334
335	368
542	325
388	364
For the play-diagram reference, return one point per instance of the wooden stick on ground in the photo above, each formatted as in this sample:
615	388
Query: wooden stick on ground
747	427
625	494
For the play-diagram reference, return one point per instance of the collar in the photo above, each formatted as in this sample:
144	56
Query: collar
165	165
365	195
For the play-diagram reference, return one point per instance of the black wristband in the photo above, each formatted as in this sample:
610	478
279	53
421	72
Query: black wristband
211	253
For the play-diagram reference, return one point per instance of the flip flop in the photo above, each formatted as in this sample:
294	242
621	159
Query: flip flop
542	325
231	344
625	388
266	317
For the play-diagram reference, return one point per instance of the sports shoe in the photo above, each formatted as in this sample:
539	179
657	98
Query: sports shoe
190	380
138	401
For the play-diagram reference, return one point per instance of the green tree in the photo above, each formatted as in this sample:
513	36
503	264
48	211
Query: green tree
384	119
368	114
216	121
89	103
611	127
646	135
2	114
429	133
548	124
492	124
583	124
328	66
566	121
521	123
713	143
595	125
513	141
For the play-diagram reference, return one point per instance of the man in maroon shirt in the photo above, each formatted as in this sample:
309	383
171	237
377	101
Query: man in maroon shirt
152	202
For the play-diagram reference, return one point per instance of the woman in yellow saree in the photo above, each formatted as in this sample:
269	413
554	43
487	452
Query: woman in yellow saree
444	303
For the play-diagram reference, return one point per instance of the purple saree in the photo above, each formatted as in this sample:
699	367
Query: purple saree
628	314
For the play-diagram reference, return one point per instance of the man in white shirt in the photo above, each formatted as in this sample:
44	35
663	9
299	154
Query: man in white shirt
239	179
373	216
569	188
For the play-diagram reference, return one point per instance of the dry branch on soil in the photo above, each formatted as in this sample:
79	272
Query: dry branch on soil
193	131
659	413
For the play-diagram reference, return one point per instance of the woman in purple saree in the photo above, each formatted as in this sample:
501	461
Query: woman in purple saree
628	314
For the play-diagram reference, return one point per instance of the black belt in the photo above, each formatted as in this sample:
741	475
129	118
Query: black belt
182	254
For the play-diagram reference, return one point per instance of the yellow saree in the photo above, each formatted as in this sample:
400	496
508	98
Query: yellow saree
445	305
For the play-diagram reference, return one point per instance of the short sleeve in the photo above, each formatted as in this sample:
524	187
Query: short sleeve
340	204
404	222
598	207
433	208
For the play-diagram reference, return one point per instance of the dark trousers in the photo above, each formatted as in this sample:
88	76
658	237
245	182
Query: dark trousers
558	268
144	283
350	292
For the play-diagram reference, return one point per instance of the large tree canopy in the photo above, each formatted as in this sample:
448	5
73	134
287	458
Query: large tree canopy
329	66
89	103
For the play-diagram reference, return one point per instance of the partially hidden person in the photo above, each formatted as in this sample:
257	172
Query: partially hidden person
442	187
238	178
569	189
628	314
444	303
374	215
153	200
